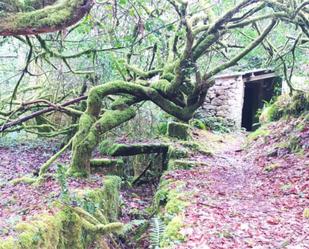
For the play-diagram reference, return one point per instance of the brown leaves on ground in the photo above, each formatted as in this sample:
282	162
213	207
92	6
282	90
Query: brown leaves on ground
237	204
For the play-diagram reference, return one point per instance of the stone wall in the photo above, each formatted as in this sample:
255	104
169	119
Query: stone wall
225	99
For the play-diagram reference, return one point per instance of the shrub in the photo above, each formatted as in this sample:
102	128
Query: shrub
286	106
216	124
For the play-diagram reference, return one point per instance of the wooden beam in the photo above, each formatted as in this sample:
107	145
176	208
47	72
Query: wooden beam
260	77
135	149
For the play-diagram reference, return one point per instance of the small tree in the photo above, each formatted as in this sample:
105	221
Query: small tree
176	79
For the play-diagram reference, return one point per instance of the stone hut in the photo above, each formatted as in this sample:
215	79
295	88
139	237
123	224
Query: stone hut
237	97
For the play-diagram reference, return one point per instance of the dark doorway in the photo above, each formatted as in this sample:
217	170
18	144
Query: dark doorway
256	93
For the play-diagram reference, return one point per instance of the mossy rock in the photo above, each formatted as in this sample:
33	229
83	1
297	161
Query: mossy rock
197	147
170	196
184	164
115	149
175	152
108	166
47	232
178	130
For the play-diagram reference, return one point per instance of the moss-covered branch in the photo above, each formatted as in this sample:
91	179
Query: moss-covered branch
56	16
141	73
102	229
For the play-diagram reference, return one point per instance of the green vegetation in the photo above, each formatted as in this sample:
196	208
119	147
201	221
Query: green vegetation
286	106
170	201
261	132
216	124
122	85
71	227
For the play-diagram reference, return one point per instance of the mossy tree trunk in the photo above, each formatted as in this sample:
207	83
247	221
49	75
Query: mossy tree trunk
85	141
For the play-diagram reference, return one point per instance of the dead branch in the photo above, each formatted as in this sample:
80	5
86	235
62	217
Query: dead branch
40	112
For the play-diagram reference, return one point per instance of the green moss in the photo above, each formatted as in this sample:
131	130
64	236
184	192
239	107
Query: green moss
184	164
170	67
85	142
198	124
51	15
108	148
176	202
111	196
8	244
106	162
172	233
204	45
162	85
261	132
24	179
286	106
174	152
160	197
35	15
42	232
197	147
292	144
73	236
170	201
168	76
169	191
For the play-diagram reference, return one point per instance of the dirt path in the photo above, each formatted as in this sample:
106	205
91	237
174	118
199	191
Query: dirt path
238	204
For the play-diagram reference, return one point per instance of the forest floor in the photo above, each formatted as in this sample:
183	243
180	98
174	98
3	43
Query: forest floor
250	195
22	201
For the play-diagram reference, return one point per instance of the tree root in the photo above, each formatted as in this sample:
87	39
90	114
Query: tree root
24	179
43	169
47	164
91	223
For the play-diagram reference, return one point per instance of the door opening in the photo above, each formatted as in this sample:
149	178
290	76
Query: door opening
256	94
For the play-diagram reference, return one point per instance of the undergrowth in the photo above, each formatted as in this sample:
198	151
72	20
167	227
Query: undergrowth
286	106
212	123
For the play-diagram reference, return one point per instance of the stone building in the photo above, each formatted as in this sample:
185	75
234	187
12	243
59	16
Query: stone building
237	97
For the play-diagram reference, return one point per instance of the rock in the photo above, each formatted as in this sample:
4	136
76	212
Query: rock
184	164
178	130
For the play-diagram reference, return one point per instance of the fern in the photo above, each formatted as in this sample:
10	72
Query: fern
133	225
156	231
63	182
